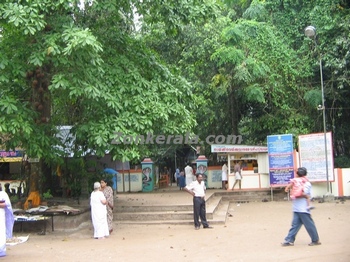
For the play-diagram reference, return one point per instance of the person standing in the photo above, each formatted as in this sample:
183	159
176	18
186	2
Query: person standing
302	215
177	175
238	175
197	190
189	174
6	221
108	193
182	182
224	170
99	212
114	184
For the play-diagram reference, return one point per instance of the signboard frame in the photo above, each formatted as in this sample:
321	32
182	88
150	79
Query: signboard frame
281	159
312	156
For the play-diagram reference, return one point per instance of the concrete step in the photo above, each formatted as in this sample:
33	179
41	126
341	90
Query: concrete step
253	196
211	203
220	214
149	216
215	207
155	208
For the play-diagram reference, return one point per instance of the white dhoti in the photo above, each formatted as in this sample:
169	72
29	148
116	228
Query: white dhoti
6	222
2	233
224	176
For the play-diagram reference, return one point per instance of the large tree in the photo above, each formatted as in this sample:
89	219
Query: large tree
262	75
83	64
331	46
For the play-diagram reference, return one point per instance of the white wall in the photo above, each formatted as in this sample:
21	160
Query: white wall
135	181
346	180
13	184
339	187
319	189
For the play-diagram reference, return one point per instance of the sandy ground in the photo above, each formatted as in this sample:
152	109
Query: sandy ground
253	233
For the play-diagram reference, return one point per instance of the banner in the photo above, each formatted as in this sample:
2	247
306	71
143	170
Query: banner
11	156
281	161
313	158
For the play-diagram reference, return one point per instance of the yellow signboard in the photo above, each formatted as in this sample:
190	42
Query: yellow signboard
10	159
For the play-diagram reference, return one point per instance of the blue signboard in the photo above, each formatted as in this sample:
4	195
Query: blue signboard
281	161
15	153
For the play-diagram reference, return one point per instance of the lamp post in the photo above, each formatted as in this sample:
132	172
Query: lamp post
310	31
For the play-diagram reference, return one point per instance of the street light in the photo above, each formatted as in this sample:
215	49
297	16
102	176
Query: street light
310	31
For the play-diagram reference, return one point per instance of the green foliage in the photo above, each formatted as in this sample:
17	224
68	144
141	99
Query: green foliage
26	16
229	55
47	195
263	72
254	93
313	98
14	199
256	11
173	14
331	19
206	67
101	80
91	69
342	162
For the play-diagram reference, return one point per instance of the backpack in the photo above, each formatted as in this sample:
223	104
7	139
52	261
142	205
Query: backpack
298	187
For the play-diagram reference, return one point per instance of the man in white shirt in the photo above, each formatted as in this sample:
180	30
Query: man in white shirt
189	174
197	190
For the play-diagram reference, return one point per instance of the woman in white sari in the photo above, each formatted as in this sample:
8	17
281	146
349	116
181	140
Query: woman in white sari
99	212
6	221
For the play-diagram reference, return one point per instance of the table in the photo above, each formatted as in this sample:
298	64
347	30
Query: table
46	213
51	214
31	220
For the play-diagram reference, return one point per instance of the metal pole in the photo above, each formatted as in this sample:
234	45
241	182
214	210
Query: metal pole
310	32
324	123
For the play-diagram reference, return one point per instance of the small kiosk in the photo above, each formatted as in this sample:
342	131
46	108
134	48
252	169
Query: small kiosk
10	172
253	161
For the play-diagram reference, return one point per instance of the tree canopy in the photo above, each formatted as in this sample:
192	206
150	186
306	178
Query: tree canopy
81	63
169	67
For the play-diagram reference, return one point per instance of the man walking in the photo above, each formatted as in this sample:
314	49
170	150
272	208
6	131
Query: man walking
197	190
238	175
302	216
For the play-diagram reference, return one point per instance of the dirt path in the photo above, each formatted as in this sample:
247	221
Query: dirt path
253	233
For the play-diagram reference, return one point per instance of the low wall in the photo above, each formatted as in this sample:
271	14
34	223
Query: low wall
250	179
57	222
69	222
339	187
135	184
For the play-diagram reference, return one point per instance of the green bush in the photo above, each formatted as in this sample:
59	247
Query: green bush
342	162
47	195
